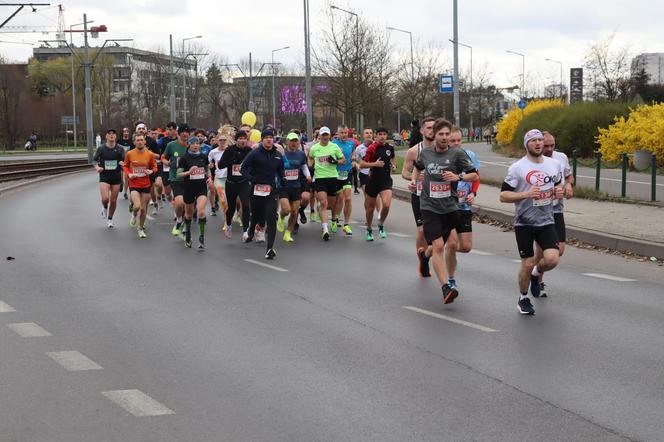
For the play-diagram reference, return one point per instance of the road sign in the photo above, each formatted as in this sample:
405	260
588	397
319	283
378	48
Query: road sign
522	104
68	120
446	84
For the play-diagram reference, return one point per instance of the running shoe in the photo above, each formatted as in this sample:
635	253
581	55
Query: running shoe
525	307
452	283
381	231
334	226
187	244
303	217
534	286
314	217
424	263
110	223
369	235
260	236
296	228
236	218
245	237
271	254
543	290
201	243
131	207
326	235
449	294
133	222
155	209
287	236
281	224
125	196
175	231
347	230
141	233
356	192
228	232
213	212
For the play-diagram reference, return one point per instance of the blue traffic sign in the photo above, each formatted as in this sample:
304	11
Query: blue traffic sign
446	84
522	104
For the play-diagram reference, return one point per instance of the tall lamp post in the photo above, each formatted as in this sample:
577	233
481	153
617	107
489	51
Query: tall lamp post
523	71
357	54
184	79
274	101
73	80
470	94
307	72
561	74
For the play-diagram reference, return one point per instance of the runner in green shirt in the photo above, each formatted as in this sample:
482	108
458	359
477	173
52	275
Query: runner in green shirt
174	151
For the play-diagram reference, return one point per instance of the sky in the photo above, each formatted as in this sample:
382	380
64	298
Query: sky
560	30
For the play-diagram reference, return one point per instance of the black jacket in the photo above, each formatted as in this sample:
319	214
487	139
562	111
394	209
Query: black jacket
263	166
233	156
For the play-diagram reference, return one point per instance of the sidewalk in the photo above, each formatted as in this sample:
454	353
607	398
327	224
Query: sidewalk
626	227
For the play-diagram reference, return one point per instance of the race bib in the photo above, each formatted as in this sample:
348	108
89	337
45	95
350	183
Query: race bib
110	164
198	173
324	160
235	171
462	195
343	175
292	174
138	171
543	198
438	189
262	189
167	167
418	187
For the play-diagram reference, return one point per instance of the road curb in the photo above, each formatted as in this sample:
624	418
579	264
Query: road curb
13	187
596	238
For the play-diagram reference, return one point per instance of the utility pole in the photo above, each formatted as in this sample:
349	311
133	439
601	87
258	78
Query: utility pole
172	75
307	73
88	90
251	78
455	83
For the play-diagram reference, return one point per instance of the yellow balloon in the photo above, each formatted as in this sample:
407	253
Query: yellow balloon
255	135
249	118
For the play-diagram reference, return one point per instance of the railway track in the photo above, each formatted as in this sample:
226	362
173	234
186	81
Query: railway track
20	170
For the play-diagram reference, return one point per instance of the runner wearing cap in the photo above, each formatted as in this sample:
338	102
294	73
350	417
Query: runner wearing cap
237	185
171	135
380	159
533	184
193	170
127	143
548	146
295	171
174	151
325	156
139	164
109	161
344	192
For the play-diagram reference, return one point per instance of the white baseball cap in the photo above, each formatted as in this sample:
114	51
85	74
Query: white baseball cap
324	130
141	126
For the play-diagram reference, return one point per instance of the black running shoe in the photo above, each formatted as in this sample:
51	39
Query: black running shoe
534	286
525	307
542	290
424	263
449	294
270	254
187	244
303	217
201	242
296	228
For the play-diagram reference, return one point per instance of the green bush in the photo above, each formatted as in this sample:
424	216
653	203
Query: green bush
574	126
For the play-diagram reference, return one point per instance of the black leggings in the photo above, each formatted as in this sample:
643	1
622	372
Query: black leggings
264	211
233	192
355	179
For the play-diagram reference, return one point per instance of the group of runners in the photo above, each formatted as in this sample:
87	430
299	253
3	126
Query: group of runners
266	187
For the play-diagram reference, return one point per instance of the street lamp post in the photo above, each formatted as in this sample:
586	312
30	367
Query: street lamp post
307	72
455	83
412	62
523	70
274	102
184	79
561	74
357	54
470	94
73	80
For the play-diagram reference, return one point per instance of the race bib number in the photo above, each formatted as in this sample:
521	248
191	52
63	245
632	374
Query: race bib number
167	167
343	175
262	189
418	187
198	173
324	160
543	198
235	171
292	174
138	171
110	164
439	189
462	195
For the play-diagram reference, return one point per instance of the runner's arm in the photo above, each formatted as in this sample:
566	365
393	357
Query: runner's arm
408	164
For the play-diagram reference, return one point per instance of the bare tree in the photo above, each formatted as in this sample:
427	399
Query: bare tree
608	68
13	88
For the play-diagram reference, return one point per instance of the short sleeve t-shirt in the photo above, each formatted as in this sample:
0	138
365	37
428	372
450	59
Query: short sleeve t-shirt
213	157
293	162
524	174
383	152
360	153
109	159
321	155
438	195
464	187
347	146
174	151
559	206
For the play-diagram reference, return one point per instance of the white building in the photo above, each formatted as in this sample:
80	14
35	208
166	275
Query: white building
653	63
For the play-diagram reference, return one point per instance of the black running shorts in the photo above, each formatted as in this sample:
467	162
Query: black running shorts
438	225
327	185
417	213
192	192
140	189
112	179
374	187
559	219
178	188
465	221
290	193
545	236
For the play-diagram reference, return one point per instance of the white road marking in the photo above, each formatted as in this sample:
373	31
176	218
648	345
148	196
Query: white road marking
262	264
398	235
6	308
609	277
451	319
73	360
517	261
137	403
480	252
28	330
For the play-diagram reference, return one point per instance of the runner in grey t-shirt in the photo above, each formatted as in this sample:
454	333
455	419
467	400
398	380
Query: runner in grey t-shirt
441	168
533	185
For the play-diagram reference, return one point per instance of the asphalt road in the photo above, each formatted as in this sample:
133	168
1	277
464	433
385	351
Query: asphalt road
177	344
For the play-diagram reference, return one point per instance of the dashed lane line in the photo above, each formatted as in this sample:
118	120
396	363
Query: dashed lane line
262	264
137	403
73	360
28	330
451	319
6	308
609	277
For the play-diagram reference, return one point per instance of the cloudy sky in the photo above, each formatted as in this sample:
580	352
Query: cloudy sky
560	30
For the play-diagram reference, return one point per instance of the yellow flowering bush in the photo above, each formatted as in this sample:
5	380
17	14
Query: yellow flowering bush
507	127
642	129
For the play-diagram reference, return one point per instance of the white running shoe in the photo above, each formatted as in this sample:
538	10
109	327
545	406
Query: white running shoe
260	236
245	236
110	223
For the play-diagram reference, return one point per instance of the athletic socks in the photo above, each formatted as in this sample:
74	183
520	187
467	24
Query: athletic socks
201	226
187	224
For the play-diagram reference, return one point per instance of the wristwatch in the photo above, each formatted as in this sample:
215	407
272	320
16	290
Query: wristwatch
461	175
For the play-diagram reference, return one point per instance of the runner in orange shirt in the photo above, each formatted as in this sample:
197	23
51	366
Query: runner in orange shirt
139	164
